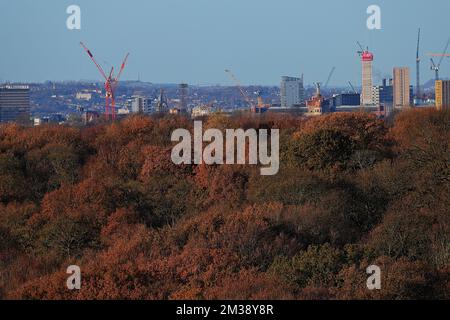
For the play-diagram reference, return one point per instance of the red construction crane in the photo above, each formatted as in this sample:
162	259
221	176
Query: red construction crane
111	83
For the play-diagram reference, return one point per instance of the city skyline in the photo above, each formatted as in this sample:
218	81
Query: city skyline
193	42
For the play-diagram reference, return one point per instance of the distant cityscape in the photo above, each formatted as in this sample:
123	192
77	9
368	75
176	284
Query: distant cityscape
84	102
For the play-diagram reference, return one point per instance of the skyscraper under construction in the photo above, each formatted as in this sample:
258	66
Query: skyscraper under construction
366	94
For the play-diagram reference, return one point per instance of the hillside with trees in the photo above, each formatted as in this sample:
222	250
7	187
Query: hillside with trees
352	191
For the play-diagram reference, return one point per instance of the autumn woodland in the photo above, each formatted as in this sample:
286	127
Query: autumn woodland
352	191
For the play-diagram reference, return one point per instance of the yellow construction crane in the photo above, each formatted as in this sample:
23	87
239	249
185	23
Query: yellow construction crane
260	107
244	95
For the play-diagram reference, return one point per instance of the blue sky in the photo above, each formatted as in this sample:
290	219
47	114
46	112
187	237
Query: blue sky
193	41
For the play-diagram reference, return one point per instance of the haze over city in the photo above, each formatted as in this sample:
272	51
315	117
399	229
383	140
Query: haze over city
173	41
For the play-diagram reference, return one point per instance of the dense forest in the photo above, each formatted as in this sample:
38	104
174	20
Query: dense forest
353	190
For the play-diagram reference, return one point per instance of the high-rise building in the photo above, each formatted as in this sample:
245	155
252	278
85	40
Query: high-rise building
402	88
383	96
14	103
386	93
292	92
376	90
183	88
442	94
140	104
366	94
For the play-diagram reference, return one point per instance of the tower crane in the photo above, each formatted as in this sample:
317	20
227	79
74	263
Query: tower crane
418	89
244	95
436	67
111	83
353	88
361	52
329	78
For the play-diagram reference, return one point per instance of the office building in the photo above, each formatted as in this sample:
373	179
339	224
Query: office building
383	94
386	92
139	104
348	99
292	92
402	88
345	102
376	95
14	103
442	94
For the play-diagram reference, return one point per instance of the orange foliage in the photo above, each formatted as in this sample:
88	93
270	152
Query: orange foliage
353	190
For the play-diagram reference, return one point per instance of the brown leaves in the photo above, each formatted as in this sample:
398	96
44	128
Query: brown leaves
109	199
400	280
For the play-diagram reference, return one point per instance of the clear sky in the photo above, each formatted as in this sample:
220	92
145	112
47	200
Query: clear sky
193	41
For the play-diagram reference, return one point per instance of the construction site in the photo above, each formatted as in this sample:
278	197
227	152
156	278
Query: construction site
117	99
